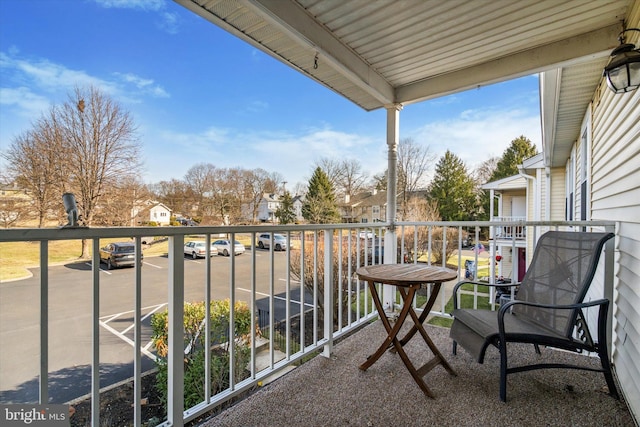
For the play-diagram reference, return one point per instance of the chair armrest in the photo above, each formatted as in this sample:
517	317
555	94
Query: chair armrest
602	313
491	285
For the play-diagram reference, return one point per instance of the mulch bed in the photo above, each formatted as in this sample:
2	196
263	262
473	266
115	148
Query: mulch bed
116	406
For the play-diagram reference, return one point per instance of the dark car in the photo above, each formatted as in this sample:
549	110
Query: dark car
118	255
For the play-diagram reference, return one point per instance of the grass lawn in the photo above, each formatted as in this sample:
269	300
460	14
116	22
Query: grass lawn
17	257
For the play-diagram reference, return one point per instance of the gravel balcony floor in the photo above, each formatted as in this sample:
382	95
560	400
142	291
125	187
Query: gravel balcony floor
334	392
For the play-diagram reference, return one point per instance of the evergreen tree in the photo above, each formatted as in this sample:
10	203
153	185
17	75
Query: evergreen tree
285	213
520	149
453	189
320	206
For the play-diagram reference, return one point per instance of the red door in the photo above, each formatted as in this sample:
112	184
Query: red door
522	263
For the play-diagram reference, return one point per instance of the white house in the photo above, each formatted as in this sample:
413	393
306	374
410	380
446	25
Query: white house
151	211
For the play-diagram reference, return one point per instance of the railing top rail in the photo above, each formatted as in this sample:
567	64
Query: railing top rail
503	223
37	234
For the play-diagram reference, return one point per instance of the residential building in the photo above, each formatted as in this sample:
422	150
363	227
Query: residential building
151	211
368	206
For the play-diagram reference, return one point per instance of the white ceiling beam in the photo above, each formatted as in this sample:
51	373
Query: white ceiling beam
591	45
293	20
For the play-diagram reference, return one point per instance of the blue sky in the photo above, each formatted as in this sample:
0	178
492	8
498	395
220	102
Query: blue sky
199	94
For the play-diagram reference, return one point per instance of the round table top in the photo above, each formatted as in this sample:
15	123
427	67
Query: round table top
406	274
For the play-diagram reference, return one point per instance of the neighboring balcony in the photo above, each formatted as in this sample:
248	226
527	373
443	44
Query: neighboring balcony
75	330
510	231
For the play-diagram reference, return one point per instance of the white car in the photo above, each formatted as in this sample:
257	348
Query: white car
279	241
198	249
224	247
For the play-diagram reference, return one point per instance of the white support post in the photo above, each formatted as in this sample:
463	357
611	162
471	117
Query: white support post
175	386
609	289
390	237
328	293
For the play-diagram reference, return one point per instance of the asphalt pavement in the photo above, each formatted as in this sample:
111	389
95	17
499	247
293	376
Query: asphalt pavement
70	319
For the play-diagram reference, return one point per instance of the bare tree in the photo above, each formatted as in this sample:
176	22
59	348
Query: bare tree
35	162
102	149
174	194
256	183
352	179
332	168
201	180
12	210
482	173
118	206
414	162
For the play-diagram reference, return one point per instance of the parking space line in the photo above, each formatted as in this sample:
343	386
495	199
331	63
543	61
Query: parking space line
276	297
103	271
144	317
151	265
104	322
128	341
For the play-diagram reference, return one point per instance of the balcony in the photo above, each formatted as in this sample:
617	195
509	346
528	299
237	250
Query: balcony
77	330
514	230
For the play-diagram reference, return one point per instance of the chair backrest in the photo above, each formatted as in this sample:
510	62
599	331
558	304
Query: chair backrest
561	270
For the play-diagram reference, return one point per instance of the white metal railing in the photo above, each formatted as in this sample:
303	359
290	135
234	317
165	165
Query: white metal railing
513	230
267	278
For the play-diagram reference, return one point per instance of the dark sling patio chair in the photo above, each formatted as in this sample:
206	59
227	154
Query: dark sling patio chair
547	309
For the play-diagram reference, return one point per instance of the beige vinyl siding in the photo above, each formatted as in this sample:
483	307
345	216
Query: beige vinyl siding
615	195
557	194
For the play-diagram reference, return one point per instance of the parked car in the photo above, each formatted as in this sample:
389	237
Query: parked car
224	247
187	222
279	241
198	249
119	254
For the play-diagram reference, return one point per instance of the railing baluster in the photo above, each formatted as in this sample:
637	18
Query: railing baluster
287	309
137	334
232	314
253	305
95	335
302	290
328	293
44	323
207	321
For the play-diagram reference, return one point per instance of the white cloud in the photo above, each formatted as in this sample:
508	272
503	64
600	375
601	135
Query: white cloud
476	135
291	154
26	103
43	78
167	21
153	5
144	85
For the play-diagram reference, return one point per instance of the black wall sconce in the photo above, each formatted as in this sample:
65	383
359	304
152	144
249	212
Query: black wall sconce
623	71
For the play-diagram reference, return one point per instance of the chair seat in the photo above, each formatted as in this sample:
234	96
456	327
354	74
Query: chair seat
476	329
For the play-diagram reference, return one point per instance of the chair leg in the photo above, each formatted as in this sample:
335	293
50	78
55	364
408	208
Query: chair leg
455	348
606	368
503	371
537	347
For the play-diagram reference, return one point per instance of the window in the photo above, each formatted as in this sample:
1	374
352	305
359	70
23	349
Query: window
585	163
375	212
570	185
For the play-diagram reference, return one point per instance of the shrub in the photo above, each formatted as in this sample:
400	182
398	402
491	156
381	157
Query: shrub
194	344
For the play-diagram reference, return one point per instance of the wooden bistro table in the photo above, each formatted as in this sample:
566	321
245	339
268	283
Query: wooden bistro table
408	278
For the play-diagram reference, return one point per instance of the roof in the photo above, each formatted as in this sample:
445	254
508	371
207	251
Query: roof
515	182
367	198
385	52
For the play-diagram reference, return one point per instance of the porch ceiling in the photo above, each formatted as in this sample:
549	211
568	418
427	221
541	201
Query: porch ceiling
379	53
